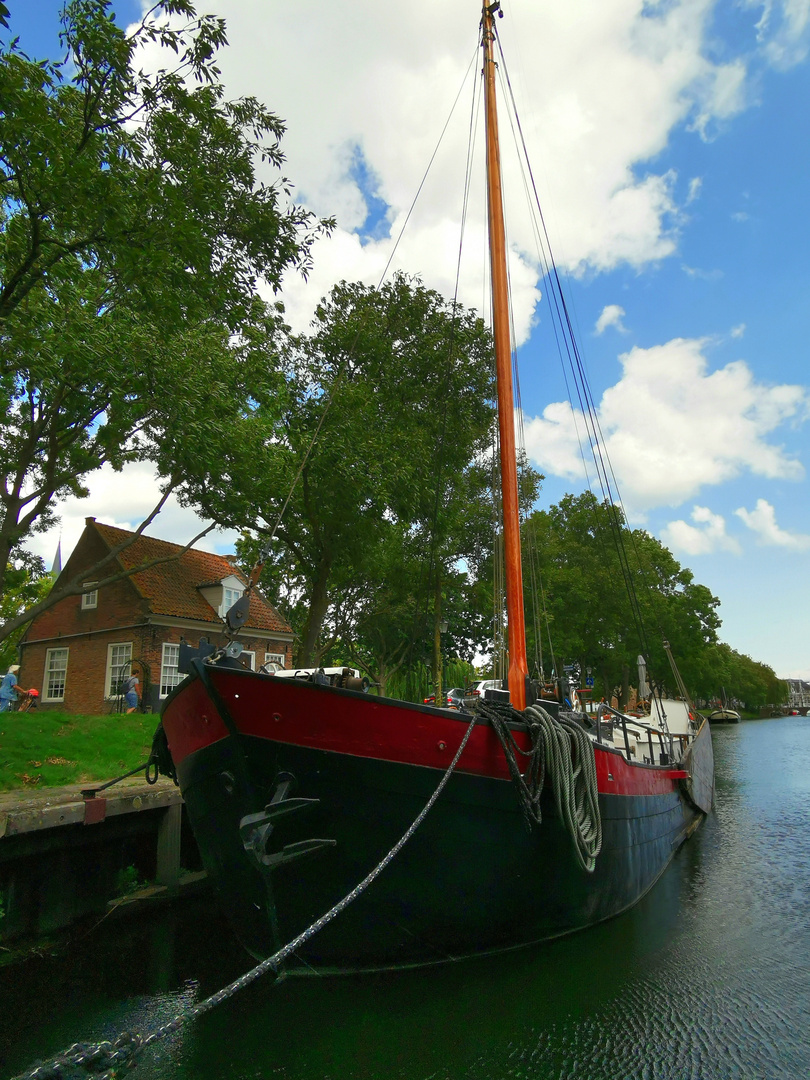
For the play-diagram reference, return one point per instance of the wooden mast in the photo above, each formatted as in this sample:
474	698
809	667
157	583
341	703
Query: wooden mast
518	666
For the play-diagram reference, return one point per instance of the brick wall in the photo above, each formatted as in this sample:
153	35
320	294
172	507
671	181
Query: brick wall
85	678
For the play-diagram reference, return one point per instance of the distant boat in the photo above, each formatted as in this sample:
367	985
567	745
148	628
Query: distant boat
296	787
724	716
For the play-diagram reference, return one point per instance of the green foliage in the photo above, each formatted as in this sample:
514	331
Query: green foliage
611	593
41	748
387	413
128	881
134	226
742	679
26	582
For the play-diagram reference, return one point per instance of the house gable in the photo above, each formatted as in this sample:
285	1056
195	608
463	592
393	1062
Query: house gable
77	650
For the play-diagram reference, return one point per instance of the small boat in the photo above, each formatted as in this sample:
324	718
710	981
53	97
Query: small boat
297	785
724	716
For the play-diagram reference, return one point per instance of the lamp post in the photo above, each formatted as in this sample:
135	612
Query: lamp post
439	628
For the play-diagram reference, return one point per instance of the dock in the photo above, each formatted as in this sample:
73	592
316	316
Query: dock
66	853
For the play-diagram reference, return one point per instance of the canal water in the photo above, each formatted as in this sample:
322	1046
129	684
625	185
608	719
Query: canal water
708	978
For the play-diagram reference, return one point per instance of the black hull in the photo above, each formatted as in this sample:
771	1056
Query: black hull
474	878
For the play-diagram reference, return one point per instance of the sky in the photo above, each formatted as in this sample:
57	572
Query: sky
670	145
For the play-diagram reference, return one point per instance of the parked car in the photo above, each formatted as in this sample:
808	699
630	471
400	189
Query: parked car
476	691
453	698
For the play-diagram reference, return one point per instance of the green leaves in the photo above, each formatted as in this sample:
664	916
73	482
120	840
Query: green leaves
387	410
588	561
133	231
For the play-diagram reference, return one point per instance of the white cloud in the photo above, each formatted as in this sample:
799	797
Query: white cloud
695	185
738	331
762	521
703	275
615	80
708	535
612	315
672	427
783	31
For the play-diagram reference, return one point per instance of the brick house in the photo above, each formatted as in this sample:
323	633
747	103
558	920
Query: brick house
77	652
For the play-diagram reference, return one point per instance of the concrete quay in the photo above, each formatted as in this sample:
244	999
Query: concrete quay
65	855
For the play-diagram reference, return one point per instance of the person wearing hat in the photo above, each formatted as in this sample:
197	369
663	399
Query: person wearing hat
8	688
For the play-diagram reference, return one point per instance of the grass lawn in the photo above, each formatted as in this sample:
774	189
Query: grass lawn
41	749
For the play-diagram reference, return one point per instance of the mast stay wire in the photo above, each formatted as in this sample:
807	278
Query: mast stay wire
424	588
266	546
559	309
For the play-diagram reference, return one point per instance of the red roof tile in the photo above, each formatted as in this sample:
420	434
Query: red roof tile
173	587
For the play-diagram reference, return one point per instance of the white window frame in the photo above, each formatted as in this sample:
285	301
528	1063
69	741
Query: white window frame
116	671
169	669
229	598
251	656
51	669
90	597
279	658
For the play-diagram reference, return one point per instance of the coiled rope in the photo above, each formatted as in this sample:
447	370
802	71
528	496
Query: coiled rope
83	1059
561	750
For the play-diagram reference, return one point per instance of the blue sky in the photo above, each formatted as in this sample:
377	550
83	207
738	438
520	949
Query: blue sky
671	144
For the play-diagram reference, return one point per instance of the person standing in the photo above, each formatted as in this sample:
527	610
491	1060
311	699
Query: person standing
8	688
132	693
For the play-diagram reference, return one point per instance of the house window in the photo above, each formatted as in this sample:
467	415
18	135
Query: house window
169	675
90	595
229	598
56	661
248	659
274	658
119	658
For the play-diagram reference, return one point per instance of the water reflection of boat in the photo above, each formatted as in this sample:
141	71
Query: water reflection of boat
297	786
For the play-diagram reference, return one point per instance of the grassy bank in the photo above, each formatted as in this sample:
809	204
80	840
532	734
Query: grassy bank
41	749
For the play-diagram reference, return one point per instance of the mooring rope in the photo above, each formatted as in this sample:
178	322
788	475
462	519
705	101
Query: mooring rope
561	750
82	1059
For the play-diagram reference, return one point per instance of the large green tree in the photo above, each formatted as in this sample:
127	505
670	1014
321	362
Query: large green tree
610	593
134	227
388	410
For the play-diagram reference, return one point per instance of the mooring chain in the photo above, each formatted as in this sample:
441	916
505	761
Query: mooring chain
82	1059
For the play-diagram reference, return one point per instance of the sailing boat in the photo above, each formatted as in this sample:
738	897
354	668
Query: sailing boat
296	787
724	715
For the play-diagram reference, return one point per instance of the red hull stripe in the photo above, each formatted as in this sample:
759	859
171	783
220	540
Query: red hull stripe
305	715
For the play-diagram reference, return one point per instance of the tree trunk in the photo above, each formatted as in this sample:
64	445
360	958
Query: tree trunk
438	699
625	686
309	656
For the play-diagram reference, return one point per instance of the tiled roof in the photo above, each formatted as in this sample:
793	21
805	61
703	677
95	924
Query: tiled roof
173	588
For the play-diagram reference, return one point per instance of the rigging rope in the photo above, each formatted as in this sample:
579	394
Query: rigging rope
561	750
567	341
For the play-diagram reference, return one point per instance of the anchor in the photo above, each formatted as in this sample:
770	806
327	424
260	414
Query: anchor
256	829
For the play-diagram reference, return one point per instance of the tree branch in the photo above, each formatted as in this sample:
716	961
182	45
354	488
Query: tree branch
76	584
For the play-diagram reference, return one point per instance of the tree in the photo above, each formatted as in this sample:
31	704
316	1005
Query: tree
133	230
610	593
742	679
387	413
26	582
